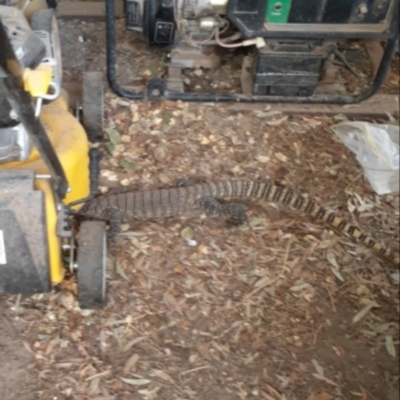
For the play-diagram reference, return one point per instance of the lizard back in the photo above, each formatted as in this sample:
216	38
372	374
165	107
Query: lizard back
169	202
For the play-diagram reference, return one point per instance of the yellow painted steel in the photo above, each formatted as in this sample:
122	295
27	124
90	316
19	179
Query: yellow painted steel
69	140
34	5
37	81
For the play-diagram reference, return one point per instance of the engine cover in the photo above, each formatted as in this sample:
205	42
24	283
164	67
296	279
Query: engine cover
155	18
309	18
287	69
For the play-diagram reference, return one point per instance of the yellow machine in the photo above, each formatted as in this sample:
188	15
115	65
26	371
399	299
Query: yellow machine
45	162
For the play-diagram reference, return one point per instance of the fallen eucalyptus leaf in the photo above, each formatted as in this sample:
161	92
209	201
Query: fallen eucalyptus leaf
299	287
317	367
281	157
135	382
382	327
340	117
134	342
332	259
323	378
126	164
120	271
109	147
390	346
361	314
114	136
395	277
131	363
163	375
337	273
187	233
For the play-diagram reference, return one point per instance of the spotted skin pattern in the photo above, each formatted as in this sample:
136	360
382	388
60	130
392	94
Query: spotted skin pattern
119	206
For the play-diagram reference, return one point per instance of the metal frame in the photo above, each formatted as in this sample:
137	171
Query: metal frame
156	88
21	102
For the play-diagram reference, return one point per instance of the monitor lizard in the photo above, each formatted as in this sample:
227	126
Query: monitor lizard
126	204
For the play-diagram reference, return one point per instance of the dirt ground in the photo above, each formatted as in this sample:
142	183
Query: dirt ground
280	308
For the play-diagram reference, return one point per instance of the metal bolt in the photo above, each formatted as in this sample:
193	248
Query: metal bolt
13	115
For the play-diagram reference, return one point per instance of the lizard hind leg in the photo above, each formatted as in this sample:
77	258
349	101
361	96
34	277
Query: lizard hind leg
115	219
236	212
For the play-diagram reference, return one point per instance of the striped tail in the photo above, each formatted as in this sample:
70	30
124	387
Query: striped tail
288	198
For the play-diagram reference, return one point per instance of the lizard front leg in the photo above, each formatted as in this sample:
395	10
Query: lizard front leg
236	212
183	182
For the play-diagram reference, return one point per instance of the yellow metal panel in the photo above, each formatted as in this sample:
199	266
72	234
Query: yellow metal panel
57	271
71	145
37	81
34	5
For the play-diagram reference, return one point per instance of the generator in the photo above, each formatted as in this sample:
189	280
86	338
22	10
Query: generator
290	46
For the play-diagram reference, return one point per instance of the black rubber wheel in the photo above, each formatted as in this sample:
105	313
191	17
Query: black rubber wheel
45	20
91	258
92	105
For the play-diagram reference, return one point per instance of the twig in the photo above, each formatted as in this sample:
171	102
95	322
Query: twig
97	375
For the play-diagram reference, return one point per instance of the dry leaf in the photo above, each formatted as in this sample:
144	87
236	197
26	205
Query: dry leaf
120	270
390	346
340	117
134	342
135	382
322	396
52	344
130	365
281	157
323	378
164	376
114	136
267	396
179	269
382	327
360	315
273	392
263	159
363	393
332	259
94	387
172	303
318	368
265	114
301	286
67	300
187	233
126	164
337	273
276	122
149	394
395	277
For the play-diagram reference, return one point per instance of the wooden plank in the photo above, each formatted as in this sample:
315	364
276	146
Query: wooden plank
87	10
375	54
378	106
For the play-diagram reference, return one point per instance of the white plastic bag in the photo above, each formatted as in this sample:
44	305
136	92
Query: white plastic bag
377	150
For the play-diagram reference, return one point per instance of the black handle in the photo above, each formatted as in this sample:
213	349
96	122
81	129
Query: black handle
94	170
